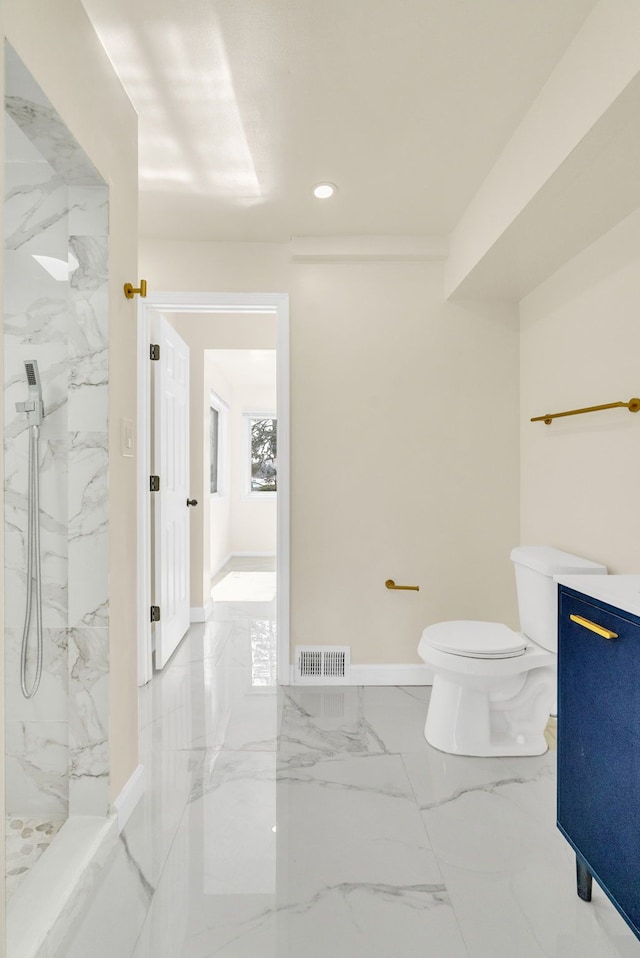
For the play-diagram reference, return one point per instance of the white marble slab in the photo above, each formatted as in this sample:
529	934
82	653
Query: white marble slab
621	591
56	205
36	207
511	875
89	721
351	821
45	129
170	778
324	722
52	699
88	579
37	766
88	211
56	892
200	706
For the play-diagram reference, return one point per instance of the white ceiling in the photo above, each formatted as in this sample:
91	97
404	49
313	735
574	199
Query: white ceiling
245	104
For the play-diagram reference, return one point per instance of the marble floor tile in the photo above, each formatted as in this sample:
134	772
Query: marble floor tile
321	722
201	706
511	875
350	821
261	882
169	781
316	822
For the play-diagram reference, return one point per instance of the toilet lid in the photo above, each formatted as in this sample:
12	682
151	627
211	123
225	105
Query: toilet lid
477	640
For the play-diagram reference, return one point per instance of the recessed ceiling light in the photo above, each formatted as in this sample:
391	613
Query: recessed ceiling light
324	190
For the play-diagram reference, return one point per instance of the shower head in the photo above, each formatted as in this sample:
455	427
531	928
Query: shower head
34	408
33	378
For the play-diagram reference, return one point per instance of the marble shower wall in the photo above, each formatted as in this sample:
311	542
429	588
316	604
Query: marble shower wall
56	205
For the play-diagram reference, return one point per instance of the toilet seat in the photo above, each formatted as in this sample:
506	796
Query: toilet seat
475	640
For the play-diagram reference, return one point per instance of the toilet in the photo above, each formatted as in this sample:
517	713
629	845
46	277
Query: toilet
494	689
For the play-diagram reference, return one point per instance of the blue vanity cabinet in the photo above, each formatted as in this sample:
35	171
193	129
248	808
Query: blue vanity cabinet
599	747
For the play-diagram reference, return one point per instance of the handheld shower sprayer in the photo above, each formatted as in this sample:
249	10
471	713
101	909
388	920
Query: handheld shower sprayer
34	409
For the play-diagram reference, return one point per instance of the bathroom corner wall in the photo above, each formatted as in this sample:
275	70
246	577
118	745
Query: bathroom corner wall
404	441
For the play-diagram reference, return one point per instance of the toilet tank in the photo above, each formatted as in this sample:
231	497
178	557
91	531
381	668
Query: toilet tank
535	567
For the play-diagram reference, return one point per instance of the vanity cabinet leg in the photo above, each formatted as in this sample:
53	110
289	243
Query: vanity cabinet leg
584	879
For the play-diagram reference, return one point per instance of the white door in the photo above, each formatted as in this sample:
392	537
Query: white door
171	513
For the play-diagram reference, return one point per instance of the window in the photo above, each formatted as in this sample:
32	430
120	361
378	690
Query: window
218	456
262	442
214	434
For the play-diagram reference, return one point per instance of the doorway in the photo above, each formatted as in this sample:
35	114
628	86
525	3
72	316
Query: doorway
273	306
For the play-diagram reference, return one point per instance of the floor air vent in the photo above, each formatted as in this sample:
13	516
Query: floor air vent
323	664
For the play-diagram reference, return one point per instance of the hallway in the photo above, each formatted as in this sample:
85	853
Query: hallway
317	823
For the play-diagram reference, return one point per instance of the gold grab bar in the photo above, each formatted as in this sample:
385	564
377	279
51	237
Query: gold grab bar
633	406
593	627
390	584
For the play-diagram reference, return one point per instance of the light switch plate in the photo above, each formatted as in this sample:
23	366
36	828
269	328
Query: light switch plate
126	437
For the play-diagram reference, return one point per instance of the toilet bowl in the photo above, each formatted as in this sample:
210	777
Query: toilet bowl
494	689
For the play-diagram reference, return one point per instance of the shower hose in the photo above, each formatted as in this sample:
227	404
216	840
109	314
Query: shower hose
34	571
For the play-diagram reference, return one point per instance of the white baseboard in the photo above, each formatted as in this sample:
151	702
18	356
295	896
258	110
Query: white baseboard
253	555
129	797
239	555
221	565
396	674
201	613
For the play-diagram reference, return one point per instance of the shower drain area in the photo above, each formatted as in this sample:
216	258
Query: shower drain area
26	841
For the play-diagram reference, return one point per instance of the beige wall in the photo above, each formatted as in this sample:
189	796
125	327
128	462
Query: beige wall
50	38
580	344
568	171
404	442
2	647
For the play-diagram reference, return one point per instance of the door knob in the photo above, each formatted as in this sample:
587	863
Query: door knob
192	502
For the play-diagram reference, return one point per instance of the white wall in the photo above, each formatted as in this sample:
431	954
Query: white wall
253	520
220	535
580	343
404	441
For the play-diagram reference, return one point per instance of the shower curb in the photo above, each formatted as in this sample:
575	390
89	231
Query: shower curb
58	888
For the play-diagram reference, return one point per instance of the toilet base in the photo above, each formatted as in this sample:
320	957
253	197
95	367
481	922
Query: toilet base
478	719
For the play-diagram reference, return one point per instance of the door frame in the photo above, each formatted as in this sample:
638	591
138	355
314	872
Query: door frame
274	304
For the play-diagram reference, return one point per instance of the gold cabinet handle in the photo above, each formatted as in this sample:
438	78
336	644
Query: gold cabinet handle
593	627
390	584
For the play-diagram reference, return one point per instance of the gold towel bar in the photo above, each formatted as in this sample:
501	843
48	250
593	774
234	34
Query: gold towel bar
633	406
390	584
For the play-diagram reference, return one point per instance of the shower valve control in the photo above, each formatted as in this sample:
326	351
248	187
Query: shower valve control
34	409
